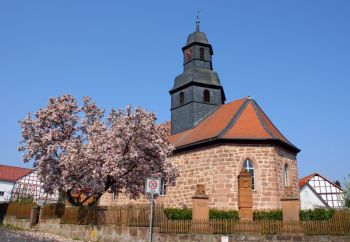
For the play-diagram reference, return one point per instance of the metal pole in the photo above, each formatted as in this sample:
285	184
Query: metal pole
150	220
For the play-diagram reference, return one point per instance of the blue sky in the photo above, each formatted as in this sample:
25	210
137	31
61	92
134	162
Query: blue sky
292	57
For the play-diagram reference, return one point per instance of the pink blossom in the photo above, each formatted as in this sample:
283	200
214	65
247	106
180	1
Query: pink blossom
78	149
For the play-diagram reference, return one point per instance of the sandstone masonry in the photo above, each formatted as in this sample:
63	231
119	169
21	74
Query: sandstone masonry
218	167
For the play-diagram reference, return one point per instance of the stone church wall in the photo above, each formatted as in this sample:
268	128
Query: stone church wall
218	167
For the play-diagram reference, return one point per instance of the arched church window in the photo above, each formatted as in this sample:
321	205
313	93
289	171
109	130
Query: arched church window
201	53
248	165
285	175
206	96
182	98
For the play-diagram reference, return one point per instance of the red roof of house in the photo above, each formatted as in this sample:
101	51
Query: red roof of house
303	181
12	173
241	120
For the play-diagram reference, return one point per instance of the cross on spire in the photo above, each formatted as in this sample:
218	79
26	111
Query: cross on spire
197	21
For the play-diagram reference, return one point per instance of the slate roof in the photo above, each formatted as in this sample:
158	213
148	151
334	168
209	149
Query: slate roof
12	173
196	76
197	37
241	121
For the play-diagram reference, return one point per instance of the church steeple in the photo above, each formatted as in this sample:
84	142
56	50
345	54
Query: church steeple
197	91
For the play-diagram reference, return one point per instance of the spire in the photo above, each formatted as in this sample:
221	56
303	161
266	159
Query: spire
197	22
197	90
197	35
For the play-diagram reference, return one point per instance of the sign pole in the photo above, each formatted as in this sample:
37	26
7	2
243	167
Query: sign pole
152	187
151	221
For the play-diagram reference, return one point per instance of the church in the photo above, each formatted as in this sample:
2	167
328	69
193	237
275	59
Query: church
215	140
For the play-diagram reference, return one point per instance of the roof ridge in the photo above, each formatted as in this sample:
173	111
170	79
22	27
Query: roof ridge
26	174
267	117
310	175
188	132
328	181
234	118
263	123
207	115
16	167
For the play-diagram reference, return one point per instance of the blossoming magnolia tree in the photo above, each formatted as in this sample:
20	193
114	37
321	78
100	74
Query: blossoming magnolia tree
77	150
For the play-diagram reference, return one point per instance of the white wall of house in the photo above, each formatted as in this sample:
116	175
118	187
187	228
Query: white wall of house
30	185
309	200
5	190
332	195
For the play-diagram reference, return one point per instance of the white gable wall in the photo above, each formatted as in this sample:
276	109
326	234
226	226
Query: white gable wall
332	195
309	200
6	188
30	185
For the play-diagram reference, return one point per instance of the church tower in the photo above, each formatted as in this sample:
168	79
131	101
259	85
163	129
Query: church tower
197	91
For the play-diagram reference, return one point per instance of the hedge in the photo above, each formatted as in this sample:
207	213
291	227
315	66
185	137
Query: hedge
318	214
186	213
268	214
222	214
178	213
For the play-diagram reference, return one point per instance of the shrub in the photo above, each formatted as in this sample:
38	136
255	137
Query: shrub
316	214
186	213
25	199
229	214
268	214
178	213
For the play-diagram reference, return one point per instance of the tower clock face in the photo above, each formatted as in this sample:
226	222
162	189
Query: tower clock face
188	54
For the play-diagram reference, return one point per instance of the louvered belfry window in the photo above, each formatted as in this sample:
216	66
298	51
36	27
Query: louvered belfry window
206	96
201	53
182	98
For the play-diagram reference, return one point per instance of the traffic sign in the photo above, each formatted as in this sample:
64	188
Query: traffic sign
153	185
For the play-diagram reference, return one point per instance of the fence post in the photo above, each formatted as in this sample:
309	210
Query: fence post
34	216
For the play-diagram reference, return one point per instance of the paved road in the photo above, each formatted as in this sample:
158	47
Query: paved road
10	235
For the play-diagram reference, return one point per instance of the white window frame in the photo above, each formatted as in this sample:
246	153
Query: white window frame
285	175
249	166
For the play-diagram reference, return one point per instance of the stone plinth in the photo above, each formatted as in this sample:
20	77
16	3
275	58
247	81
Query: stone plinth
291	209
200	211
290	205
200	204
245	196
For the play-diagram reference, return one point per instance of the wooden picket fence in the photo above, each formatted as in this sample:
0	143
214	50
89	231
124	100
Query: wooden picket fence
138	216
338	225
18	210
134	216
52	211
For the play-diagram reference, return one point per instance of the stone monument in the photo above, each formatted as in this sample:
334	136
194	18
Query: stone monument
290	205
200	204
245	195
200	211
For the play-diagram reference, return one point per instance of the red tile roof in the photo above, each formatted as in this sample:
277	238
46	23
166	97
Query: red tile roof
240	120
12	173
303	181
